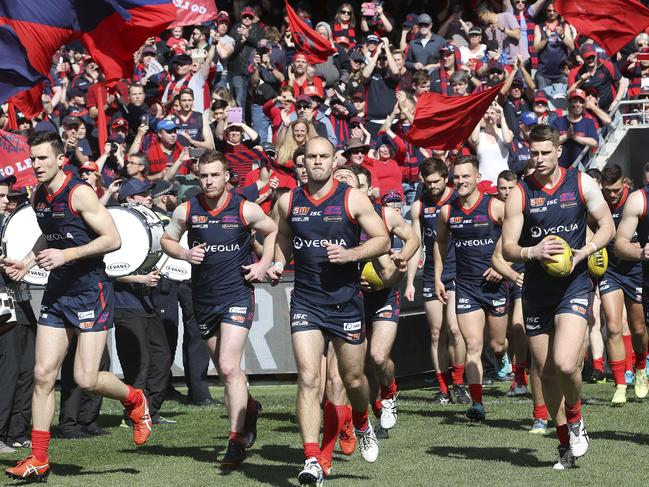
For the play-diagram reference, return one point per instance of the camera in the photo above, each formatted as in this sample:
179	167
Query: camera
113	147
144	120
262	50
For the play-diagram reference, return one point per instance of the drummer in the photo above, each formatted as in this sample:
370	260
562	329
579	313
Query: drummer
140	338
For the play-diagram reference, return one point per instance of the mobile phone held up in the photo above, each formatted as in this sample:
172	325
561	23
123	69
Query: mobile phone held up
368	9
235	115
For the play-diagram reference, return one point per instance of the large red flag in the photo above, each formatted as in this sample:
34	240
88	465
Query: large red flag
611	23
14	159
446	122
307	41
193	12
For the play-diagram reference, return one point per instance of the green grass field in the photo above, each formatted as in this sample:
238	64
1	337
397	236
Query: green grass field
431	445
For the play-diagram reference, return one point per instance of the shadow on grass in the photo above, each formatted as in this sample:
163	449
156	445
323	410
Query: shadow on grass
288	421
113	420
627	436
61	470
521	457
203	454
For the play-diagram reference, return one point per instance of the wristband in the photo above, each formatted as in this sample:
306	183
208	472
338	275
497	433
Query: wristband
594	247
279	265
522	256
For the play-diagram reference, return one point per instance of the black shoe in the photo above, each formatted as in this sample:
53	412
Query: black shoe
380	432
174	395
487	381
461	396
96	431
597	377
234	455
207	402
441	398
250	427
70	433
161	420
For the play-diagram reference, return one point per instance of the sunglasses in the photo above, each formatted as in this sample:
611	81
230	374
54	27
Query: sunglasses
346	12
357	151
170	131
302	107
250	17
84	172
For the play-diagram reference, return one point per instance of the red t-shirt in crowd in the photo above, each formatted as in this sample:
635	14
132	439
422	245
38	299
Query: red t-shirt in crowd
285	181
385	175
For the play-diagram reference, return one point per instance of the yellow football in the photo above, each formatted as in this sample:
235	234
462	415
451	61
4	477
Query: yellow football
371	276
563	264
597	263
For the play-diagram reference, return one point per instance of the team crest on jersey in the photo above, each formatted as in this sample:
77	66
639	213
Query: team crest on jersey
301	210
230	219
333	210
569	196
199	219
58	206
537	201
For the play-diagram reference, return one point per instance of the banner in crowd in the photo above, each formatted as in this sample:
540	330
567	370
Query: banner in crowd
31	31
14	159
610	23
307	41
446	122
193	12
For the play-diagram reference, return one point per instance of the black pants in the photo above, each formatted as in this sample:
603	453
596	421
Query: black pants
143	351
196	358
165	301
16	382
79	409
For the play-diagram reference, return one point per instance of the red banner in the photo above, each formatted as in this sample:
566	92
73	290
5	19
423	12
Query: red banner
307	41
15	161
193	12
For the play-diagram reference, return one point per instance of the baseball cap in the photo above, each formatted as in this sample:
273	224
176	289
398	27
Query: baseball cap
181	60
411	19
131	187
592	91
160	188
342	40
541	97
588	50
424	19
355	121
303	99
119	122
222	16
90	166
149	51
372	38
10	180
248	10
578	94
312	91
358	95
447	48
357	56
495	65
70	120
300	57
529	118
475	31
166	124
391	197
117	138
269	148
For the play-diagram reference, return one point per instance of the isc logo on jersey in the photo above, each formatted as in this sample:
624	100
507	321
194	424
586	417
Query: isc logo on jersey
299	243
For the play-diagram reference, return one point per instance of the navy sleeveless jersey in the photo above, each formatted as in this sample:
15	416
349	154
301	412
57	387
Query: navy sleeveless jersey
643	238
615	264
225	232
475	234
559	211
314	224
395	242
63	229
430	208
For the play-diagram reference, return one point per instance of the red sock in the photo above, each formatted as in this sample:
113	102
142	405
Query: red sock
251	407
376	408
640	361
334	418
389	391
573	413
562	434
311	450
359	418
476	392
540	412
617	368
40	444
457	374
598	364
133	399
443	388
628	348
236	437
519	373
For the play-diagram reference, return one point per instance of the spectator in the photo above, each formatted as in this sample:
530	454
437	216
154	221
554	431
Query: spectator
502	29
295	135
91	174
337	65
576	131
189	122
266	77
475	50
525	14
381	78
540	107
224	47
637	70
345	23
594	111
77	149
356	153
374	20
519	149
450	62
423	50
299	76
247	35
455	28
164	149
490	139
601	75
176	42
385	164
459	83
188	75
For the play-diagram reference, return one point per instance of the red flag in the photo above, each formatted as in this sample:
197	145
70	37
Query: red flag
102	124
14	159
11	115
446	122
29	102
610	23
307	41
193	12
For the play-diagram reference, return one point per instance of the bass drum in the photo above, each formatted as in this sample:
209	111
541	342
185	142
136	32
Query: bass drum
175	269
140	230
19	235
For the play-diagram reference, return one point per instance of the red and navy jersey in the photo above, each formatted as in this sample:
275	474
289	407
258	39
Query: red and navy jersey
429	213
64	228
475	233
191	125
615	264
559	211
315	223
226	236
643	236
